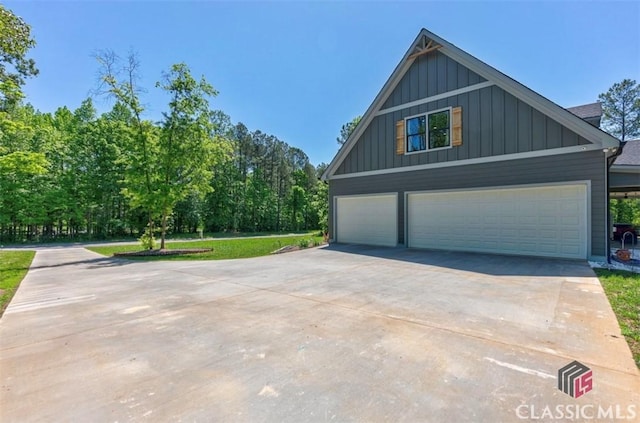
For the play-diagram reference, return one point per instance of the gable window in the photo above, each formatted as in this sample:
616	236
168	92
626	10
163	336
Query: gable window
416	134
429	131
439	130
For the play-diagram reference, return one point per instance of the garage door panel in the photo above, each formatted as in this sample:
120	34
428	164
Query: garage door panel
546	221
367	219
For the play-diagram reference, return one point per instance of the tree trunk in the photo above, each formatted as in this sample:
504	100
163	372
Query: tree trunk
164	229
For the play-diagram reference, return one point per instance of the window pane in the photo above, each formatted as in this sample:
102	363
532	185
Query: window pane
439	120
416	125
439	138
416	143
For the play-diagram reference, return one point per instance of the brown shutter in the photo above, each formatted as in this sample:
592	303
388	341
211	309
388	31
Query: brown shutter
400	137
456	126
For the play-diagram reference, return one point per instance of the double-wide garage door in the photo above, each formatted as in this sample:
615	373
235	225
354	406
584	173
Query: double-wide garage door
539	221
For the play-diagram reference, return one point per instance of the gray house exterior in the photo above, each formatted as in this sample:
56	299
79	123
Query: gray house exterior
452	154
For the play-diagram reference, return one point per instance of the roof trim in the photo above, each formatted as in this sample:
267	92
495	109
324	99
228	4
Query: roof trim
535	100
446	94
625	168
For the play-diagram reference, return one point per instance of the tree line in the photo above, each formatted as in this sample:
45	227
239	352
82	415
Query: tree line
77	174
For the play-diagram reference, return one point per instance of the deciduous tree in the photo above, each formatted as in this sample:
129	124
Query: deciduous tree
15	42
186	148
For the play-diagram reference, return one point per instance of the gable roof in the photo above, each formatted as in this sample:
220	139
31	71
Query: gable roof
630	155
423	43
586	111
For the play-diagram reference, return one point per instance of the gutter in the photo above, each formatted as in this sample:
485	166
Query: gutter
610	161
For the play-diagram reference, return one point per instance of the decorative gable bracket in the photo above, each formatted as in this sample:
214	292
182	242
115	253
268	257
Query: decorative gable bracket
425	46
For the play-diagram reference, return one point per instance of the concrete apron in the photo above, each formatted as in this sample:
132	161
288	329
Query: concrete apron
339	333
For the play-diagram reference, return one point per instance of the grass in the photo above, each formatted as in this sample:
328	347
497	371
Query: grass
13	266
222	249
134	238
623	290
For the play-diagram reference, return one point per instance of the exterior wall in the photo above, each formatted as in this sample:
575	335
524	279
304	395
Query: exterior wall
624	180
550	169
493	123
429	75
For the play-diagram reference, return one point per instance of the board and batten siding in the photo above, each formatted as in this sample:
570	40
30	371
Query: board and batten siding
581	166
493	123
431	74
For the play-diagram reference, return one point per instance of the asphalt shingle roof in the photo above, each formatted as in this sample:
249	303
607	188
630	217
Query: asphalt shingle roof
630	154
587	111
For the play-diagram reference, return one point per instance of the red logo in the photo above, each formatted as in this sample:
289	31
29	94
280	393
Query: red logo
575	379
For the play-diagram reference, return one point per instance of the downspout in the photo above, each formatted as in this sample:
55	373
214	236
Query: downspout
610	161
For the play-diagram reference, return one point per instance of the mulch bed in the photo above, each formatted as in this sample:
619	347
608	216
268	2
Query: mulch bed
165	252
286	249
632	262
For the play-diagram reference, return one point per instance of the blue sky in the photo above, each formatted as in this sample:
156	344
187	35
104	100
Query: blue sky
299	70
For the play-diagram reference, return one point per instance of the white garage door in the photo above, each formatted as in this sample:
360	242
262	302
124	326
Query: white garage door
540	221
367	219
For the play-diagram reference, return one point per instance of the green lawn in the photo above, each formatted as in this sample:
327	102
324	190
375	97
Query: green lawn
623	290
13	266
222	248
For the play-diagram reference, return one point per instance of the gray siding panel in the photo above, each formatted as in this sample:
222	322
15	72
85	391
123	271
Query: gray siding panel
524	127
463	76
538	130
497	118
486	142
473	121
554	134
373	145
510	124
552	169
422	78
569	138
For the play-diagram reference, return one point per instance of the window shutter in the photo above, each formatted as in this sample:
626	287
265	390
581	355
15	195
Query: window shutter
456	126
400	137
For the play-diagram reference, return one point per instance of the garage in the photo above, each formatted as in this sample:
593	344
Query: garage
546	221
367	219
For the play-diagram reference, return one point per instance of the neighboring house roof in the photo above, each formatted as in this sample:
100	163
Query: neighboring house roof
630	154
586	111
419	46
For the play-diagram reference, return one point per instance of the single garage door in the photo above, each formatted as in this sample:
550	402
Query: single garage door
367	219
540	221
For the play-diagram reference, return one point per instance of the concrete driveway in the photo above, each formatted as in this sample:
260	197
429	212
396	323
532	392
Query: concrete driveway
328	334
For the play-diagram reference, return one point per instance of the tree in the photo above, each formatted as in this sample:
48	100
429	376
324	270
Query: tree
186	147
347	129
15	41
22	185
621	107
320	200
121	82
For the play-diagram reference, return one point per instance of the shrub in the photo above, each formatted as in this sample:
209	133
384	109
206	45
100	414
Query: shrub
305	243
147	240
